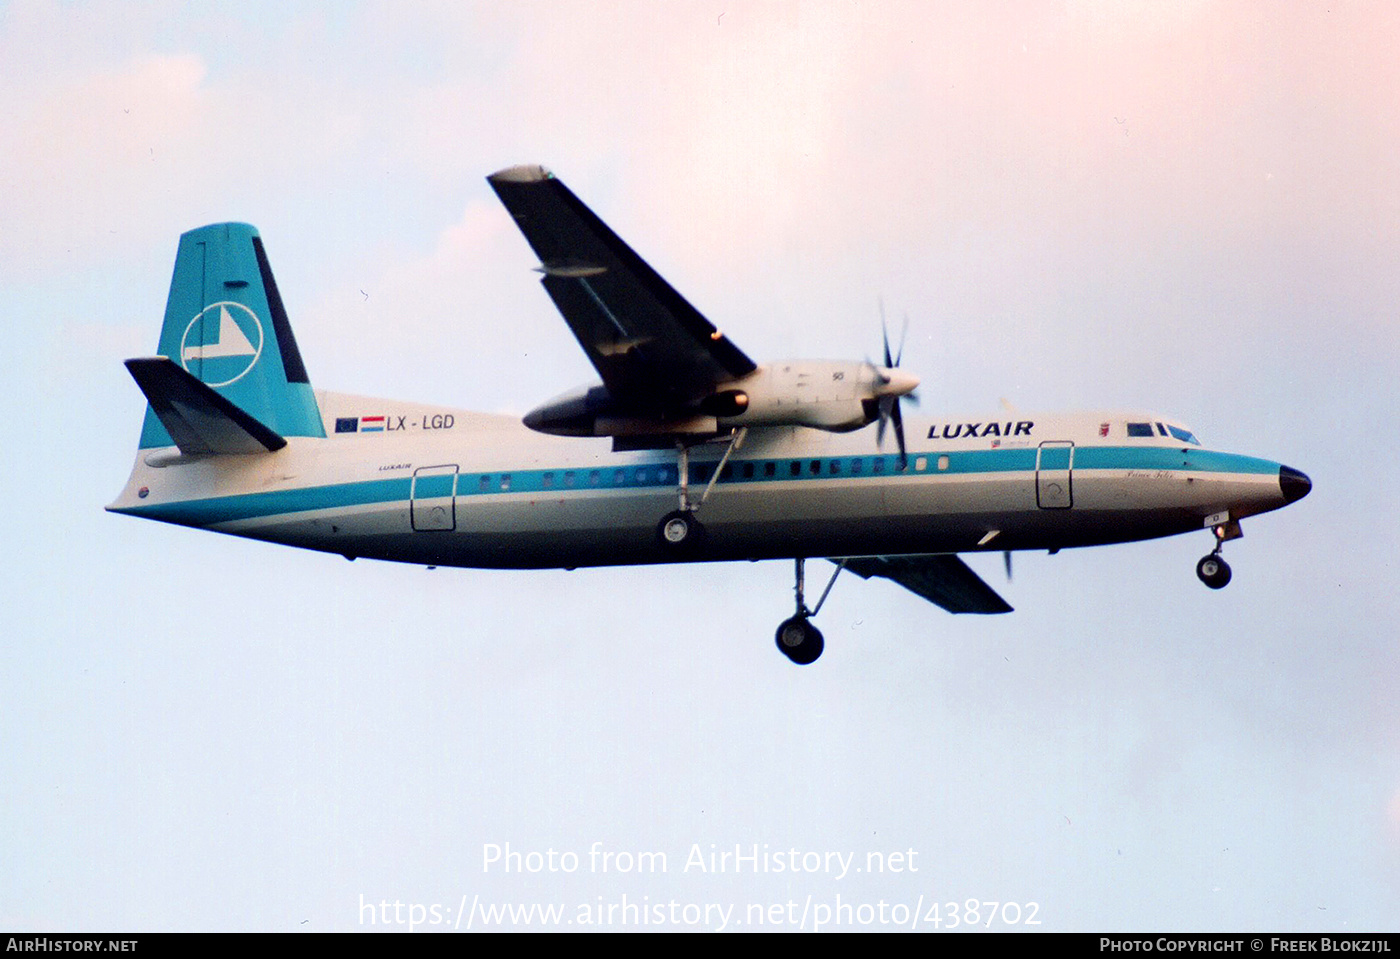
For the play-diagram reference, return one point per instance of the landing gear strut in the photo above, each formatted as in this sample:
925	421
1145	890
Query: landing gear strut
797	638
1212	569
679	531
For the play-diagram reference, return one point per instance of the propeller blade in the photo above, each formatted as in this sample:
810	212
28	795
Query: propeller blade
899	433
889	402
1006	556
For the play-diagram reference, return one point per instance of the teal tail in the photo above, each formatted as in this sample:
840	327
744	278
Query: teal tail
226	327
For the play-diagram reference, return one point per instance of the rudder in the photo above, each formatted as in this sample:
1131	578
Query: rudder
226	326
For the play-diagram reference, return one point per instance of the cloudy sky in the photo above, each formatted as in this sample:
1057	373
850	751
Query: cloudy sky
1191	207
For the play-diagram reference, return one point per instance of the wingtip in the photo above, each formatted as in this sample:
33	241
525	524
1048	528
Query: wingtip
524	173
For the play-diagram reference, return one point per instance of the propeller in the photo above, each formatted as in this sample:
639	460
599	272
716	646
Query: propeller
892	386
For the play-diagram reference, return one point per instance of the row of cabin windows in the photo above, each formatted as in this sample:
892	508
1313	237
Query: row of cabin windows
699	473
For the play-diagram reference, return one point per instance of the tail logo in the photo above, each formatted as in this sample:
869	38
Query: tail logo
233	350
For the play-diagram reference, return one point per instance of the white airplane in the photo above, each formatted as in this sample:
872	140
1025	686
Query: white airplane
686	451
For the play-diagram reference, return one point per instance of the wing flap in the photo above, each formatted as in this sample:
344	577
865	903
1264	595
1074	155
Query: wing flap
942	579
652	348
198	419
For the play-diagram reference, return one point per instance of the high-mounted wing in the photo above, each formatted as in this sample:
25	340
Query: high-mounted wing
655	352
942	579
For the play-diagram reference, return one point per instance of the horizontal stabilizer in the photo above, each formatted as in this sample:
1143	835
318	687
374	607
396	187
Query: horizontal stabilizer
199	420
942	579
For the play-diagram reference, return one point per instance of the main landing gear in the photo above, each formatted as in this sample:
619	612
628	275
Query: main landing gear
797	638
679	531
1212	569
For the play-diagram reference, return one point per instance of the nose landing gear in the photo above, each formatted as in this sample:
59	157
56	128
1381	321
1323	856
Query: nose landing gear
1212	569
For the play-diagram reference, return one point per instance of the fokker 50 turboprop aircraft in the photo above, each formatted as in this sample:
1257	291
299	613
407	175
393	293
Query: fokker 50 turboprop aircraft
686	451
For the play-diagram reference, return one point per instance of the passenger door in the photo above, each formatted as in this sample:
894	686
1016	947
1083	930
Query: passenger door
1054	467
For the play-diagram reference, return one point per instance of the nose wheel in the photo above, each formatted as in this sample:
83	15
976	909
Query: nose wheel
1213	571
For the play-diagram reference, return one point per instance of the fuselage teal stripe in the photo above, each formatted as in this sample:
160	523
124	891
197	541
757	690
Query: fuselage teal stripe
220	509
860	467
1167	458
655	474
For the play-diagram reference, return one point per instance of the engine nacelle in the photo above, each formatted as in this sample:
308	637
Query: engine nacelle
822	395
573	413
592	411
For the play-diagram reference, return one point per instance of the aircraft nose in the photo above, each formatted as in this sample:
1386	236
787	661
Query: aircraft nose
1295	484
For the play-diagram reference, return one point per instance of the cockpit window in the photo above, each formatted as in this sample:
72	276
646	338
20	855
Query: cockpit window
1184	435
1161	430
1139	429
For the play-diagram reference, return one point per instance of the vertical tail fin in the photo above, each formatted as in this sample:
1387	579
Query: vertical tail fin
226	326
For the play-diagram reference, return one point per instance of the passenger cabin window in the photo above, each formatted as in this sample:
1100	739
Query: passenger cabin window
1139	429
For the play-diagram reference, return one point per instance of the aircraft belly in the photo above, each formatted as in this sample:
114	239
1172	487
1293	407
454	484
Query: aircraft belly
779	520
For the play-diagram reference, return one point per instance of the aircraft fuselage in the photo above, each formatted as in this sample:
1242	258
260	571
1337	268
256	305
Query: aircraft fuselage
420	484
